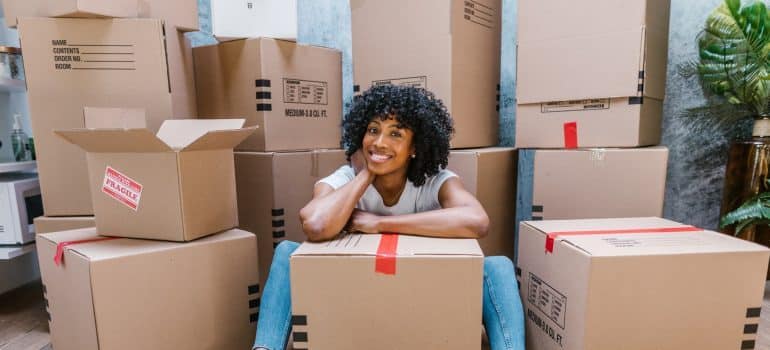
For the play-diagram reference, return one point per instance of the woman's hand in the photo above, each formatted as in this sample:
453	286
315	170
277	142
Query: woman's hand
362	221
358	161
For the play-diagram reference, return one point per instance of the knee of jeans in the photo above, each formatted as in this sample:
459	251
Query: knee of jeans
284	249
498	265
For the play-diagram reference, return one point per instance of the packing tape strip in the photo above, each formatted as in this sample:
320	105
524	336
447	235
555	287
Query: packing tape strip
551	236
570	135
385	261
58	259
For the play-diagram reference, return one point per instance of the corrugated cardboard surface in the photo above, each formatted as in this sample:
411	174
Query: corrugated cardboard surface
272	188
638	290
292	91
451	48
57	93
140	294
44	224
490	175
433	301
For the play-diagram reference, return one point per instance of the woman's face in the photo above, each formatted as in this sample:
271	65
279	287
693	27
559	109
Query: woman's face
387	146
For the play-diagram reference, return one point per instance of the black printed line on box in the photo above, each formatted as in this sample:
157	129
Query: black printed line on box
81	56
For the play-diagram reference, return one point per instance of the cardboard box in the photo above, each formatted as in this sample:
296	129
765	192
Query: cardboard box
297	91
45	224
239	19
63	77
490	175
180	14
590	183
176	186
612	84
272	188
451	48
623	284
387	292
141	294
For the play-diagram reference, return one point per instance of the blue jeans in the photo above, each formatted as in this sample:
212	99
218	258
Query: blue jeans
502	312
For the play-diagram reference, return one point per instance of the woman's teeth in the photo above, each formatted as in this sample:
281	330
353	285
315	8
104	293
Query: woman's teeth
379	157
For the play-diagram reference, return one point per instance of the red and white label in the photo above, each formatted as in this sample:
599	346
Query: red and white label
122	188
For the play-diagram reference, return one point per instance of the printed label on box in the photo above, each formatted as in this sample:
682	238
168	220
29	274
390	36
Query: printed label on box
547	299
122	188
575	105
91	56
305	91
481	14
418	82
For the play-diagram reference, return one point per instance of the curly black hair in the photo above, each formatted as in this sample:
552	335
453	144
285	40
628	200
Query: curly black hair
415	108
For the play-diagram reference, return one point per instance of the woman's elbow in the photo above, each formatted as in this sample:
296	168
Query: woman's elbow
481	225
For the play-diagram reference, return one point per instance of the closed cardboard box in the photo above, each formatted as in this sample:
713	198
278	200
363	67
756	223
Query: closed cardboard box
638	284
272	188
238	19
603	71
490	175
176	186
451	48
141	294
45	224
371	291
74	63
590	183
292	91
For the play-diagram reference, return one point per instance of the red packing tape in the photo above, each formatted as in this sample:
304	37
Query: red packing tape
570	135
385	262
551	236
58	259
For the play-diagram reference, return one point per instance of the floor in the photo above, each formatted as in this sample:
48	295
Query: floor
24	325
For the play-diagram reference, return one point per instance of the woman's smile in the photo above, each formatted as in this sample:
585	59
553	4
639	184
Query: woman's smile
379	157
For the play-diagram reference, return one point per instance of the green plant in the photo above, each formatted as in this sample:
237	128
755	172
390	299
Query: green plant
734	53
755	211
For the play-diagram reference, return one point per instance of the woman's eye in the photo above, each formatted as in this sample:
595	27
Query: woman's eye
395	134
372	130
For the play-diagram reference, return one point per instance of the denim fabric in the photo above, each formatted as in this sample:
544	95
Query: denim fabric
502	311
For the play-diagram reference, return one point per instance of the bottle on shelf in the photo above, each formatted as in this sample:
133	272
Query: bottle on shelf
19	141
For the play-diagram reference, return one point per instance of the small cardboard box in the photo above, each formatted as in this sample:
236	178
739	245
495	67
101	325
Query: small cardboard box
451	48
387	292
490	175
590	183
292	91
239	19
176	186
142	294
272	188
605	71
45	224
638	284
179	14
66	70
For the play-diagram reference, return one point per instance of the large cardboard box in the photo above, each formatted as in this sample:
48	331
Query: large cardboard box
490	175
141	294
272	188
74	63
600	64
638	284
387	292
238	19
451	48
292	91
45	224
590	183
176	186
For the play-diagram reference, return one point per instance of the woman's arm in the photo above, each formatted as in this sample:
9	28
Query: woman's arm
461	216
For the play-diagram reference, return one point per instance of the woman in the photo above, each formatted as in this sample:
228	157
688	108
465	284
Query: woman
397	139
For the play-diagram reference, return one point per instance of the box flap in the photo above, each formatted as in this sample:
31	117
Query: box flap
368	244
220	139
114	118
180	133
114	140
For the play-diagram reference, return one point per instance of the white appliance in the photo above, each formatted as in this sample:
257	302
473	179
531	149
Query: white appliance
20	202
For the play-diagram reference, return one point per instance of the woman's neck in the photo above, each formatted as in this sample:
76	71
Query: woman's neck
390	187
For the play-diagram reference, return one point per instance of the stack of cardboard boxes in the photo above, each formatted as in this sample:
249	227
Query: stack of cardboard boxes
589	100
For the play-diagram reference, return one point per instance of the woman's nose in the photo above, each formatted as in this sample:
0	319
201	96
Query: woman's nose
379	140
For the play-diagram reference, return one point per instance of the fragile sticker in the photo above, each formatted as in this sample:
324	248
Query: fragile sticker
122	188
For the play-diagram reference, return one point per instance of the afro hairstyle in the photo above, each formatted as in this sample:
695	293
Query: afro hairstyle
417	110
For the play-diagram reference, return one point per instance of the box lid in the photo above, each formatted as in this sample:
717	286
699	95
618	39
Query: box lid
174	135
635	237
368	245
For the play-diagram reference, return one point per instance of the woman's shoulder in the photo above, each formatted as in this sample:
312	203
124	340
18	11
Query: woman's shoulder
437	180
339	177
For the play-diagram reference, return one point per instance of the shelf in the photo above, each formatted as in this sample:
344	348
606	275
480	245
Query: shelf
8	253
12	85
17	166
